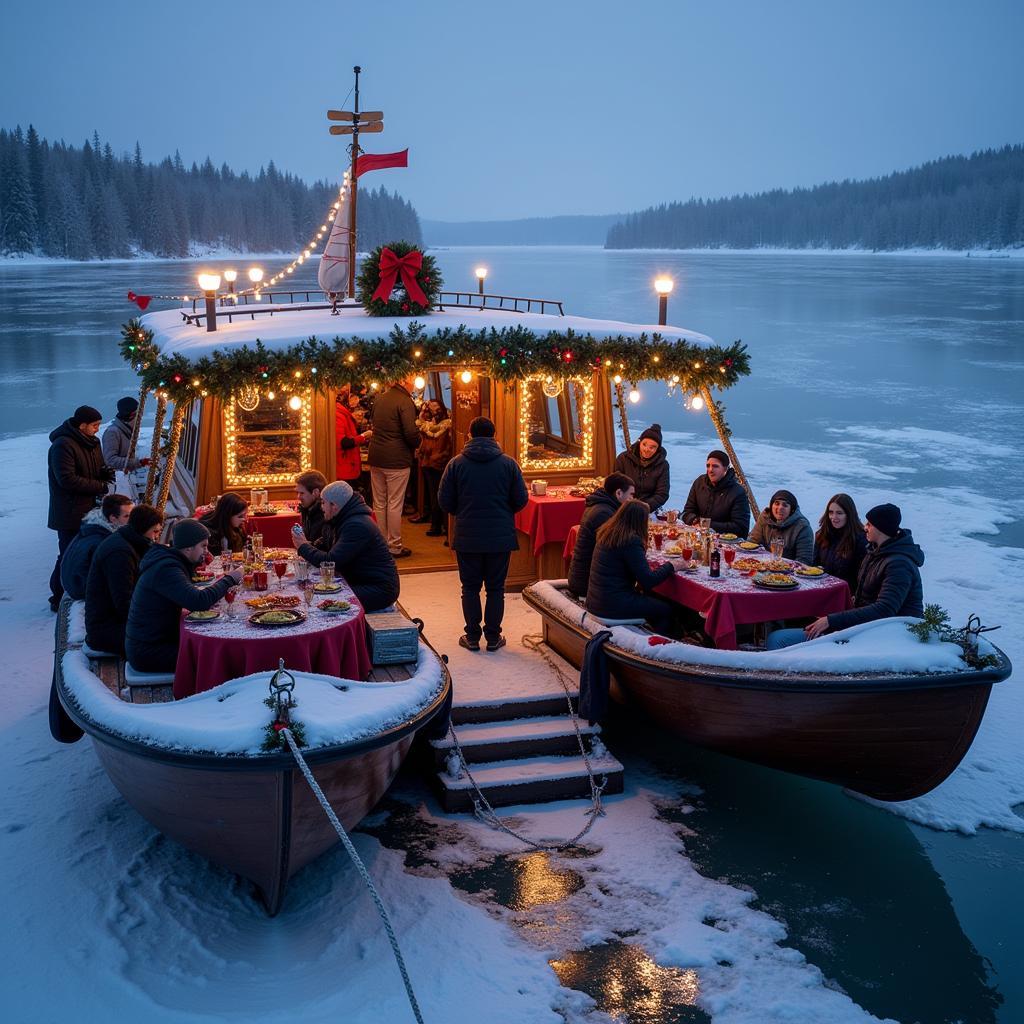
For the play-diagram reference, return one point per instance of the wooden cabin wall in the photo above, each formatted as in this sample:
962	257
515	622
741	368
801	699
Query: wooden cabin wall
604	426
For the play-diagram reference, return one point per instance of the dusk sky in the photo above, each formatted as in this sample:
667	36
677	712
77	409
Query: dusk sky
529	108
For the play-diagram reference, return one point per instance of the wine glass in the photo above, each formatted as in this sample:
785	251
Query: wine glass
229	600
308	594
327	573
280	568
658	539
729	554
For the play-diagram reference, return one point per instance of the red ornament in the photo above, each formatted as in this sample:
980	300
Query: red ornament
177	378
568	357
503	352
405	307
278	726
657	641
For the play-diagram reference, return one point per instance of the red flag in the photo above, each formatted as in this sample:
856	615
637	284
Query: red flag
142	301
378	161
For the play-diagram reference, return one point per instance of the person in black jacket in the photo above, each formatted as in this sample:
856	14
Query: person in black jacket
720	497
112	576
163	588
226	523
358	550
97	526
308	488
840	544
77	479
483	488
597	510
619	572
646	463
889	583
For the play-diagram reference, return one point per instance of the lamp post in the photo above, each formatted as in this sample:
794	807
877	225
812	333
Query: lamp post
663	286
255	276
481	275
230	276
209	283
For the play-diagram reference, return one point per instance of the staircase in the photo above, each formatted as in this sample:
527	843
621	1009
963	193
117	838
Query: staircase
521	750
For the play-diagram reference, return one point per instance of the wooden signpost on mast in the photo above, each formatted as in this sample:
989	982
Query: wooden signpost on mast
369	121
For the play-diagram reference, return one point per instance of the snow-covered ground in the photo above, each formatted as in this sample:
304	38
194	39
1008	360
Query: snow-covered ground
103	916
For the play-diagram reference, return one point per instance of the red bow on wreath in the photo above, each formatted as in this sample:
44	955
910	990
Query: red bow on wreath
408	266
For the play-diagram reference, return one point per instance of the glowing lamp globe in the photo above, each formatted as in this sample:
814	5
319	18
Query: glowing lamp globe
230	275
481	273
663	285
209	282
634	396
255	274
697	403
419	383
465	376
295	403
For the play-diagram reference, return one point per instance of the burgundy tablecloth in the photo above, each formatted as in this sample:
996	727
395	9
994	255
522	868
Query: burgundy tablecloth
276	529
547	519
570	543
733	600
335	647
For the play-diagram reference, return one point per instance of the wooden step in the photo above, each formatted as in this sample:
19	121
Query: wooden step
530	780
533	706
510	739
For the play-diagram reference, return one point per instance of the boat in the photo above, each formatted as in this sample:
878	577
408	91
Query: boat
836	709
208	786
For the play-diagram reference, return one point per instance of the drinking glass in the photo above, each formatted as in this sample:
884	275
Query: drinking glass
229	600
327	573
705	524
658	539
729	554
308	595
280	568
301	570
672	515
257	546
778	546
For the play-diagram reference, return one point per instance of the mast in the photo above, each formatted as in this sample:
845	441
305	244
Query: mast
354	185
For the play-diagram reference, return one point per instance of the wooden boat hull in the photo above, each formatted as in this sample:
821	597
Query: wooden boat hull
888	737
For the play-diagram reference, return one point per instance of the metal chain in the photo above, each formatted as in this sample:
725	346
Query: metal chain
482	808
360	867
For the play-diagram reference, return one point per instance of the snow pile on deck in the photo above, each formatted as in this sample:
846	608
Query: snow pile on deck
883	646
231	718
173	336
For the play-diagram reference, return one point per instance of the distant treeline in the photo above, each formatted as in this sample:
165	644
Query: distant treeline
958	202
57	200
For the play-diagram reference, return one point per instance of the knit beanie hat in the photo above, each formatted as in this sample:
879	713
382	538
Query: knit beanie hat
189	532
886	518
788	496
127	405
652	433
86	414
337	493
719	456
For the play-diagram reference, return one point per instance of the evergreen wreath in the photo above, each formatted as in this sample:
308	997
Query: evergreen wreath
399	303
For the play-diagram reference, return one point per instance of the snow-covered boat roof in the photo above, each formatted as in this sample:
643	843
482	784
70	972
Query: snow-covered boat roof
291	325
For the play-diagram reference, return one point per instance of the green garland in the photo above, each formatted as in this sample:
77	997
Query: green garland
509	354
428	278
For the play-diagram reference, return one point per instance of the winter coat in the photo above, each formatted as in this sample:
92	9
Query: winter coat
843	568
484	489
597	510
163	588
395	434
75	473
795	531
724	503
74	566
360	554
615	574
650	476
348	436
235	538
116	439
435	448
313	524
889	583
108	593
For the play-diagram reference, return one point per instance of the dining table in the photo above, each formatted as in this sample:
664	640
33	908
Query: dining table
328	643
542	528
276	527
734	599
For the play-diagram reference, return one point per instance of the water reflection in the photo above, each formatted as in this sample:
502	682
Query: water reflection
630	987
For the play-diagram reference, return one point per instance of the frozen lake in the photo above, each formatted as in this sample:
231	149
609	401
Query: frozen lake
890	377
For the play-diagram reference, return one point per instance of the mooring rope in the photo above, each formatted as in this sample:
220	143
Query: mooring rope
482	808
360	867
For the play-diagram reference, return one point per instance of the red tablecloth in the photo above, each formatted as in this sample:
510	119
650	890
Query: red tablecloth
329	645
276	529
570	544
547	519
733	600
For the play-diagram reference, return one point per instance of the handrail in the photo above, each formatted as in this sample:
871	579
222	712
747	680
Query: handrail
478	300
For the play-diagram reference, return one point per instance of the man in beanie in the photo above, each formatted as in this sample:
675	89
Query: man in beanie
77	478
117	437
645	462
783	520
483	488
720	497
163	589
888	584
358	549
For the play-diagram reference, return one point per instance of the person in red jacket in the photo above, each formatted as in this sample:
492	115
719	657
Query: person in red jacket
349	439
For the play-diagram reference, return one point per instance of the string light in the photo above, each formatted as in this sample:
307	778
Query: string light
697	403
634	394
585	409
419	383
232	432
466	376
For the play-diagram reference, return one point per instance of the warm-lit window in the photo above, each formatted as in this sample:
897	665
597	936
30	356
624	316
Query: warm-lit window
268	444
556	420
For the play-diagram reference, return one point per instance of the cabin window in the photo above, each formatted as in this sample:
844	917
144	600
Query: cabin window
556	423
271	443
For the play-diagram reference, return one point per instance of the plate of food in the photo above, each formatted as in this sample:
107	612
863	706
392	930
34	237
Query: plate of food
776	565
811	571
334	607
201	576
274	601
274	617
775	581
209	615
728	537
747	545
688	567
746	564
326	588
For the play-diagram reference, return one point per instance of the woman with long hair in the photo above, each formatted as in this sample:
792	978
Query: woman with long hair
434	453
840	544
619	574
226	521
